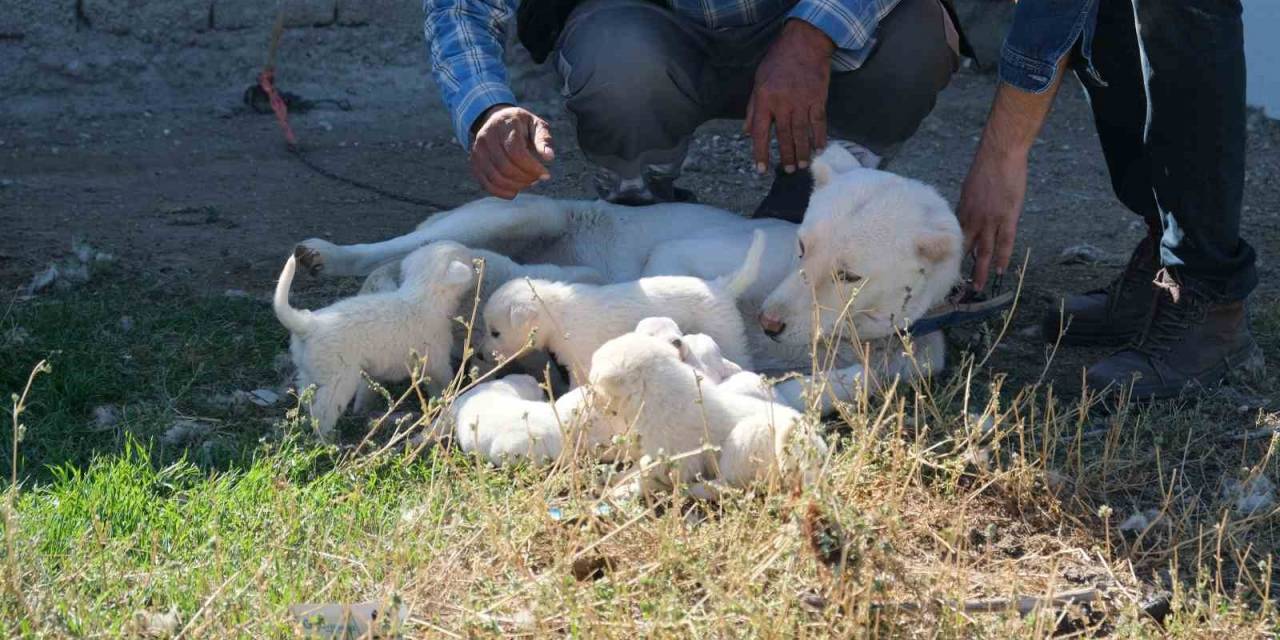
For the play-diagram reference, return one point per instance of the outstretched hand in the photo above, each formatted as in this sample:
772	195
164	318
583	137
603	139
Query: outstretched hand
990	206
790	96
510	149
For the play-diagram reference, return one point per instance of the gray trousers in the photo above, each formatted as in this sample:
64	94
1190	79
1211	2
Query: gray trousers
638	79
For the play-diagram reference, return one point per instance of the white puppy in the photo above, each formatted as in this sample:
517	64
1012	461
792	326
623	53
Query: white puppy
697	350
508	421
377	333
571	321
673	415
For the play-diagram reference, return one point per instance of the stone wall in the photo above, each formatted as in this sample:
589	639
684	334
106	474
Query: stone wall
157	19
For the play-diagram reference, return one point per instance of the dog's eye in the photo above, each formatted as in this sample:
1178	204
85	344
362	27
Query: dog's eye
847	276
801	247
495	333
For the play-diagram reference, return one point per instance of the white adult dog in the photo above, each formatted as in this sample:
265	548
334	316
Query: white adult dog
572	320
892	240
376	333
711	438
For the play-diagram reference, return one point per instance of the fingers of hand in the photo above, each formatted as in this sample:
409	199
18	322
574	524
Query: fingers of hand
758	123
802	130
818	121
786	140
491	177
1008	231
982	259
517	149
542	140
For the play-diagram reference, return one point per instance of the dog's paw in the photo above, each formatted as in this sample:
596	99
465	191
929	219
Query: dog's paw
311	254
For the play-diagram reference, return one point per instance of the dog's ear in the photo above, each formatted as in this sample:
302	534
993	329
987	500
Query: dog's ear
522	314
457	274
833	161
934	246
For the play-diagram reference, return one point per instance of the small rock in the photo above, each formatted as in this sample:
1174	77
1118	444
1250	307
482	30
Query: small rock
157	625
184	432
236	293
105	417
1032	332
126	323
1257	495
44	279
813	601
264	397
1082	254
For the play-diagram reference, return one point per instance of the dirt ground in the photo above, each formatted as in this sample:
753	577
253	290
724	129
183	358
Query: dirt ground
151	156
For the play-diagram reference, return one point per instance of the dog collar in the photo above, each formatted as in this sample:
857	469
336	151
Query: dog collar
962	306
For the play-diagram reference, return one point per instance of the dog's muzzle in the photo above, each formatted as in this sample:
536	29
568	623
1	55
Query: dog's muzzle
772	326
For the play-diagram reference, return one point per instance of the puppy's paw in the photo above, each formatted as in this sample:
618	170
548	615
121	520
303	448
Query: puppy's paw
311	254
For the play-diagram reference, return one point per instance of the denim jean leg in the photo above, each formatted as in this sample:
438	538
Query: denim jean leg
1192	56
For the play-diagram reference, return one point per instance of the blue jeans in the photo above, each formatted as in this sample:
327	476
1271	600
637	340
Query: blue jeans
1170	113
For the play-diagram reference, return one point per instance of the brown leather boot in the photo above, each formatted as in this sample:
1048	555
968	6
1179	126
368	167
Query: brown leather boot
1112	315
1192	341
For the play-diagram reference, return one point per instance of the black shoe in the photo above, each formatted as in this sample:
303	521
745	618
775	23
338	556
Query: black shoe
1113	315
654	190
788	197
1192	340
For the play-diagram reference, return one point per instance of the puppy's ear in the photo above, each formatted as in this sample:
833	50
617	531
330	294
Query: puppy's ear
833	161
522	314
934	246
457	274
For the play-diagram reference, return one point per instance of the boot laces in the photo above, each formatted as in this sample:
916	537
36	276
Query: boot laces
1133	278
1178	308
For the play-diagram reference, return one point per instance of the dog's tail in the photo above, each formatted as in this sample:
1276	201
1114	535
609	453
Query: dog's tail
799	451
295	320
742	279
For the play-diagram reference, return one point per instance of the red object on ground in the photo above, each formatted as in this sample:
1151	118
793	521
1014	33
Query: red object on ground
266	80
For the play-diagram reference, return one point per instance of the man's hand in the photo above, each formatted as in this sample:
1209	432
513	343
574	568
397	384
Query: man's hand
992	195
990	205
791	95
511	145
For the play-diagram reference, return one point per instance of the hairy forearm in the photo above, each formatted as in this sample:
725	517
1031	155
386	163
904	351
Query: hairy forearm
1016	118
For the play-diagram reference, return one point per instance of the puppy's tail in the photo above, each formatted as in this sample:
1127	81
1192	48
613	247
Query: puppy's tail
799	451
746	275
295	320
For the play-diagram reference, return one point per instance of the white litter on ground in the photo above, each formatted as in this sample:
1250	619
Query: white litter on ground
71	271
1253	496
105	417
1141	521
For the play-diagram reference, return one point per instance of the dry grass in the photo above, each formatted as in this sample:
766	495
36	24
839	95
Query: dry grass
968	506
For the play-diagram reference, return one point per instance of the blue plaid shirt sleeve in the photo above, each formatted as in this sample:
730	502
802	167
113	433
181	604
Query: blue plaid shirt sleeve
851	24
466	40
